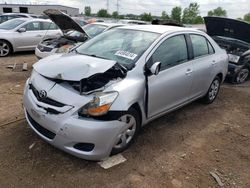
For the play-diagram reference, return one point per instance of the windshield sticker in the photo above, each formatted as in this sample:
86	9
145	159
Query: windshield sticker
125	54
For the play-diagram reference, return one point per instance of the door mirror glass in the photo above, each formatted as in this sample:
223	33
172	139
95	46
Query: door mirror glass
21	30
155	68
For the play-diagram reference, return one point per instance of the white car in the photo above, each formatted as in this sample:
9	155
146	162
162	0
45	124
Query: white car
23	34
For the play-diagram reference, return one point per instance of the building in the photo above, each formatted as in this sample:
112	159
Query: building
36	9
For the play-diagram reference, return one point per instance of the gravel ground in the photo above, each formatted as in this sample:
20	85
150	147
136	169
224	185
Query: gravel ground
178	150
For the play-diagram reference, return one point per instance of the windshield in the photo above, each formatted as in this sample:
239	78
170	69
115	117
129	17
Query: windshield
93	29
11	24
121	45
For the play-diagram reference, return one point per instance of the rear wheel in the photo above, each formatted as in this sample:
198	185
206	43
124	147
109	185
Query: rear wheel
5	48
127	136
212	91
242	76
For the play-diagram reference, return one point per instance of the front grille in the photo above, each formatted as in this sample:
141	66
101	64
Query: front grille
40	129
44	48
46	99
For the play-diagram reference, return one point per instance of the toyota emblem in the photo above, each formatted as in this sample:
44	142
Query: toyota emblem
42	94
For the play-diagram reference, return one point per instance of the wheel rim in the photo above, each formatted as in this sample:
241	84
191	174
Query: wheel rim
4	49
242	75
129	131
213	91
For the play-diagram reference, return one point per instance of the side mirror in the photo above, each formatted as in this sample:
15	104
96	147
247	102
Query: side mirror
155	68
22	30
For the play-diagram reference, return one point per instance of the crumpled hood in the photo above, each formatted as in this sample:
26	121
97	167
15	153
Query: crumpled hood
72	67
226	27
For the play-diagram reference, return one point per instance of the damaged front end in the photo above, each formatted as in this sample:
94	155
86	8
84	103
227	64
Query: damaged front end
97	82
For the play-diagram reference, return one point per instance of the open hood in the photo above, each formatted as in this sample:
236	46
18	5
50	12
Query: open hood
72	67
226	27
63	21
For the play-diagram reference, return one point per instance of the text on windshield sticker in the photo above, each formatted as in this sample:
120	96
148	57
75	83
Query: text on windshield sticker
125	54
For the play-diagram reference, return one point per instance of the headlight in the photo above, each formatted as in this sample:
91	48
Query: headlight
64	49
233	58
99	105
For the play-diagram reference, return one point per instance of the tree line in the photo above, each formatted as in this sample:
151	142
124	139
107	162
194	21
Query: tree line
188	15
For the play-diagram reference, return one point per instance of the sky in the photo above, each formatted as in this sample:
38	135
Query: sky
234	8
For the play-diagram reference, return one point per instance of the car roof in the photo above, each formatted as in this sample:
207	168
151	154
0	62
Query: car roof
161	29
33	19
107	24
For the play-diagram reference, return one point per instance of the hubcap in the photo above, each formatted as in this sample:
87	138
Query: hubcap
4	49
126	136
214	90
242	76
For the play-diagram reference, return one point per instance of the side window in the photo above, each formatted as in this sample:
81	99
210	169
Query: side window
200	45
171	52
210	48
49	26
33	26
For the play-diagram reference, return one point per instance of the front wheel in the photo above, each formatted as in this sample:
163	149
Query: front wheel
242	76
127	136
5	48
212	91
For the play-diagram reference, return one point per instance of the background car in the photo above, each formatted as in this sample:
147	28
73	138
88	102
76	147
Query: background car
93	101
233	36
8	16
23	34
73	33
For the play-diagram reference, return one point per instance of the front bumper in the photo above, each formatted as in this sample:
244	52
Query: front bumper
233	70
40	55
65	130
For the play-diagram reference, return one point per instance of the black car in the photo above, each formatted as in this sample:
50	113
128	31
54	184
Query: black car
233	36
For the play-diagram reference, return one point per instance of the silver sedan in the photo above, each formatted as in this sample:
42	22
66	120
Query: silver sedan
23	34
93	101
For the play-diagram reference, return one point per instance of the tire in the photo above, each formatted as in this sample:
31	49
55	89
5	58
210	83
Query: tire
5	48
212	91
242	76
124	140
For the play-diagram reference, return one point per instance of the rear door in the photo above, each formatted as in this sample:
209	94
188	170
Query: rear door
171	87
204	62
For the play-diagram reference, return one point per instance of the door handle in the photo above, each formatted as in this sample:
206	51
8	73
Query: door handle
38	35
189	71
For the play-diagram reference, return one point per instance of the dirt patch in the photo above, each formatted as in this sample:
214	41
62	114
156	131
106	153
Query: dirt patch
177	150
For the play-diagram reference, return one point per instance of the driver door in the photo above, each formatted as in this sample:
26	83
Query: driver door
29	39
171	87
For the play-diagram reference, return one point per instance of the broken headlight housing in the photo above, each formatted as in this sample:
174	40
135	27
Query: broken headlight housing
99	105
233	58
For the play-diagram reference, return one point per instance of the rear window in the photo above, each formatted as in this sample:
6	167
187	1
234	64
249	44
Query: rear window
200	45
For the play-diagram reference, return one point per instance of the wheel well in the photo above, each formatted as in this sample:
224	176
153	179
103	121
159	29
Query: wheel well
138	109
11	47
220	75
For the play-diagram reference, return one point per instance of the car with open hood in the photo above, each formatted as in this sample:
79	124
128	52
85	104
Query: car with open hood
233	36
92	101
23	34
74	32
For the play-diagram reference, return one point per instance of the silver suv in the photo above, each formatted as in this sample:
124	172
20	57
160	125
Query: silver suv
93	101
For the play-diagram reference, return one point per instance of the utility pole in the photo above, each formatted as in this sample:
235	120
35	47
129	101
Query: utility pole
107	5
117	6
